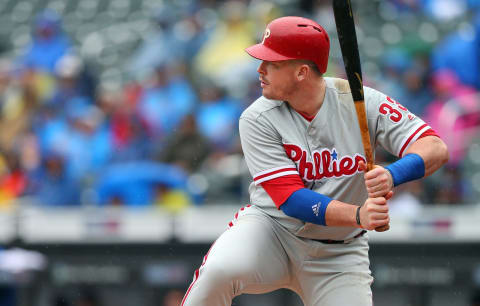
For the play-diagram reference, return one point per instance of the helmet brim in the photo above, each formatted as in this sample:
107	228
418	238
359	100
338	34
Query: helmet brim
261	52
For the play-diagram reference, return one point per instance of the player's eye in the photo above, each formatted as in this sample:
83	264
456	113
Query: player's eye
275	64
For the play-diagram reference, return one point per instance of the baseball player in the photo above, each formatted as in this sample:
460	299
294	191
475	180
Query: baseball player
311	200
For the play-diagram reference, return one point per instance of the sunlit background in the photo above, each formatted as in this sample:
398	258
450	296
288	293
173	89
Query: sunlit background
120	160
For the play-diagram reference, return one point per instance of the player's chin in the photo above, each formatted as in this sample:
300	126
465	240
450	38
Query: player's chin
267	94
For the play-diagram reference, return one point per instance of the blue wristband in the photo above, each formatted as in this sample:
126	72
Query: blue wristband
406	169
307	205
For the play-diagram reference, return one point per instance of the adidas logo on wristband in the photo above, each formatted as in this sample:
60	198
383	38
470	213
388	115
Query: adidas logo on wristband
315	209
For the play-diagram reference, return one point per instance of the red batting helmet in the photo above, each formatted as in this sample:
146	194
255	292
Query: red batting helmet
293	38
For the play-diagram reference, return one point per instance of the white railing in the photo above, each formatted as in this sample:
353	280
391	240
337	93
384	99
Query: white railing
32	224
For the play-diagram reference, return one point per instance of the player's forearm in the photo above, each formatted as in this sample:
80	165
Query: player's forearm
341	214
371	215
335	213
309	206
423	158
432	150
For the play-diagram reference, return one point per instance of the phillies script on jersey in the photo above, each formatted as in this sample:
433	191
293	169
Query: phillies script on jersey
326	163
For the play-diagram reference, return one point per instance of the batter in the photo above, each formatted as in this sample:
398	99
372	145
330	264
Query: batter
311	200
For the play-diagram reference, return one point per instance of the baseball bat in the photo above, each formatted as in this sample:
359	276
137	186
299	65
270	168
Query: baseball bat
347	37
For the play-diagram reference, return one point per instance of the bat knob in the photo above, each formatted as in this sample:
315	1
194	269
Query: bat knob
383	228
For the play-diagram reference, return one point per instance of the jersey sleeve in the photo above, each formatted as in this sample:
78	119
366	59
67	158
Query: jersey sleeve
391	125
264	152
281	188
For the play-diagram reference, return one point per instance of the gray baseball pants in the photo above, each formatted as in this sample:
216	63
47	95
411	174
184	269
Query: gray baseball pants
258	255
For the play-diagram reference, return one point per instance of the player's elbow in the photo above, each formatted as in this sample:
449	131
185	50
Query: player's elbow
442	151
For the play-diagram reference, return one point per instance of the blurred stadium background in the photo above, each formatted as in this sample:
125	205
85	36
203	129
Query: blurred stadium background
120	160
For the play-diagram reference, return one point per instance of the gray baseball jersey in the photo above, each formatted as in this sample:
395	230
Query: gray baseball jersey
278	141
264	249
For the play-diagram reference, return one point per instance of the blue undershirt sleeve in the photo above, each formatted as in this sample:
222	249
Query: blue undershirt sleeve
410	167
307	205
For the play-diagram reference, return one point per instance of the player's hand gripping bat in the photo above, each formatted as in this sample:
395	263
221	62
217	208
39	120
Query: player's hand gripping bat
342	10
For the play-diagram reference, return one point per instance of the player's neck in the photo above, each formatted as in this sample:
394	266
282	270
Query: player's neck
309	100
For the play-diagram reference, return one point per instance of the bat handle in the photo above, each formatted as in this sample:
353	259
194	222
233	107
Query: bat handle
370	164
385	227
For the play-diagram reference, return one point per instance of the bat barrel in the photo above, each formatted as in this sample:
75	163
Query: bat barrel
347	36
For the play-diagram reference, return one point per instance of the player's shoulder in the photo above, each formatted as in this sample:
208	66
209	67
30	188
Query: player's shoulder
261	106
341	87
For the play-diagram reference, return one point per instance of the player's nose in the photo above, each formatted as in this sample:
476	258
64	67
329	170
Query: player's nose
261	68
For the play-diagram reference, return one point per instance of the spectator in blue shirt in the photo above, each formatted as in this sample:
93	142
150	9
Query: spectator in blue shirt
49	43
51	186
460	52
217	117
165	103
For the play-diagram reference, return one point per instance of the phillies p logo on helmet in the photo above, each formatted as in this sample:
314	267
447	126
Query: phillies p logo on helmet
266	35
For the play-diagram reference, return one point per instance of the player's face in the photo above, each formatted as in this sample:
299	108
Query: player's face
277	79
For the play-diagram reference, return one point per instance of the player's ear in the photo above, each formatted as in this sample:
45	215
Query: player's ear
302	72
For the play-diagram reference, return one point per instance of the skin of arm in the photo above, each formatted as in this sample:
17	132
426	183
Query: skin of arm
373	213
431	149
379	182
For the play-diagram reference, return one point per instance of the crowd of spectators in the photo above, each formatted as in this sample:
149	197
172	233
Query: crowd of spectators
167	134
